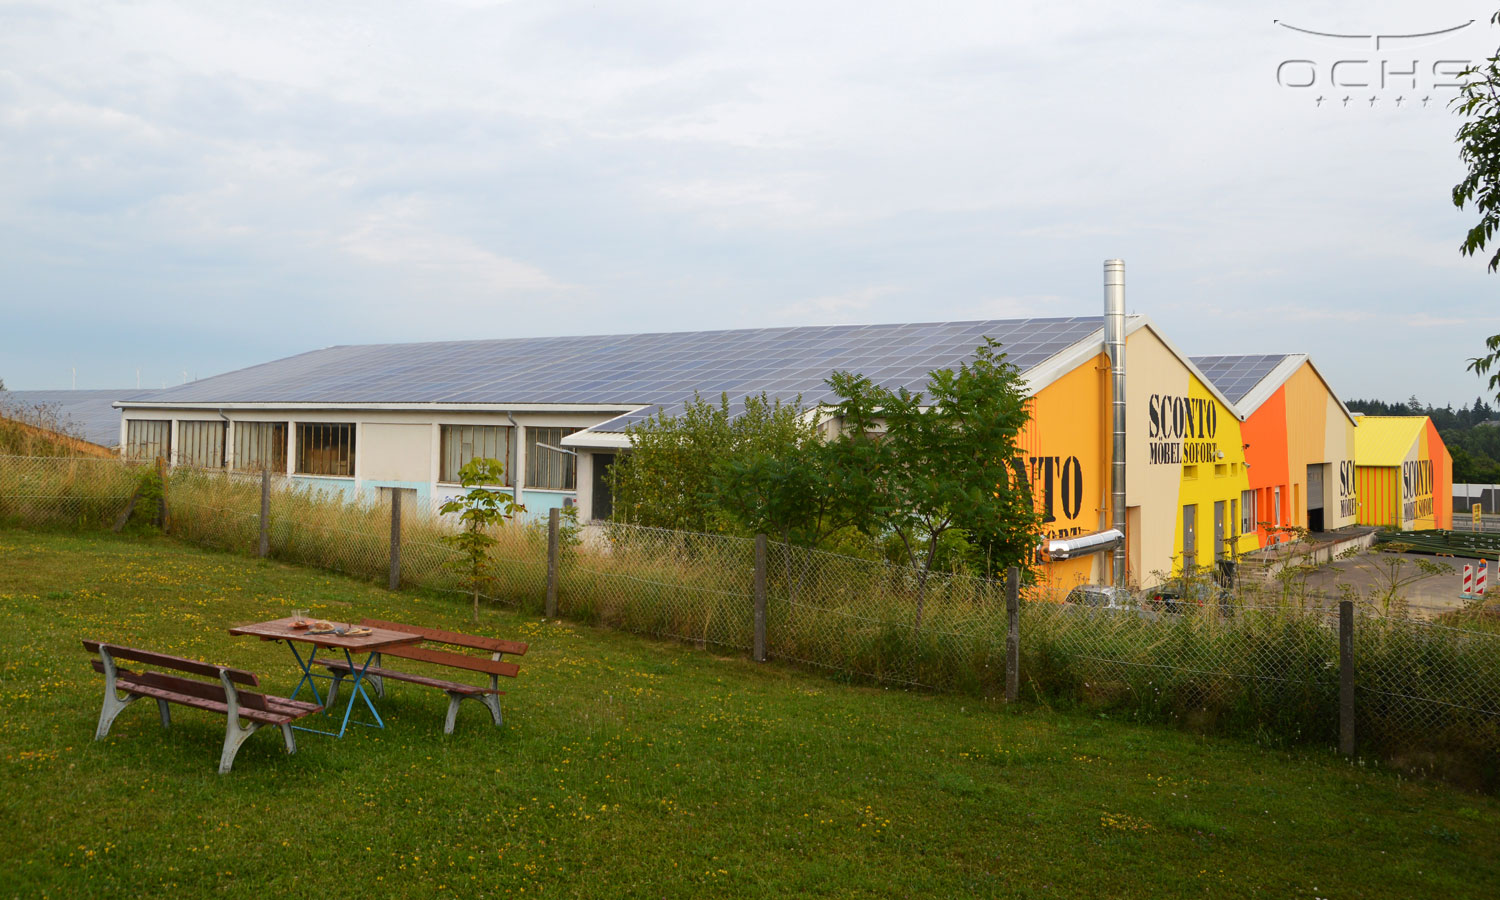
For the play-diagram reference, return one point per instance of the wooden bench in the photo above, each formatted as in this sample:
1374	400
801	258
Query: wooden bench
457	691
225	698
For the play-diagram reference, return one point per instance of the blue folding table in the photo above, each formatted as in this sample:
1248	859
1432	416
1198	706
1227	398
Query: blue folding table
369	645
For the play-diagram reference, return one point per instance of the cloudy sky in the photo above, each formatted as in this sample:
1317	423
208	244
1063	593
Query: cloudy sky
188	188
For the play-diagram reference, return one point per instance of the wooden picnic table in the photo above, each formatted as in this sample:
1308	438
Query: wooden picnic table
366	644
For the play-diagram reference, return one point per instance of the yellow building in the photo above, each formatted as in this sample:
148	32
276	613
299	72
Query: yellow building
1403	473
1184	470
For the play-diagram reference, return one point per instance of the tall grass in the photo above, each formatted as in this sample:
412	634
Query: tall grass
78	492
1268	669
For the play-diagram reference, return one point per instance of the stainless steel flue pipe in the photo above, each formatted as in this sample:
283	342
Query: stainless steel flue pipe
1114	344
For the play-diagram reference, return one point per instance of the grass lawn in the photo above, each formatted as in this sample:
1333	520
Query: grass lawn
633	768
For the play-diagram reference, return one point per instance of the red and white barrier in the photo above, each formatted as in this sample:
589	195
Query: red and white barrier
1484	566
1468	580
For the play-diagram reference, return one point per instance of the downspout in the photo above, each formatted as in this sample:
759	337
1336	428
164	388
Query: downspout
515	476
1114	343
228	422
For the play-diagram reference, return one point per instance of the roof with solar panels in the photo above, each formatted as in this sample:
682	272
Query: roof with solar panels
637	375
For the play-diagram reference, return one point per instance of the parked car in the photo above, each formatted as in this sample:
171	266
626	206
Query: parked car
1102	596
1180	595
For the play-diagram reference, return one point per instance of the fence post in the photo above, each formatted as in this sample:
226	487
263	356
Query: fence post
1012	634
1346	677
395	579
554	522
163	508
265	513
759	649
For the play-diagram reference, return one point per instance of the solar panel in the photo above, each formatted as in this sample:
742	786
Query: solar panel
651	369
88	413
1237	376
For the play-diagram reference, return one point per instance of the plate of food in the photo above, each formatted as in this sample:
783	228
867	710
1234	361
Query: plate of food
321	628
357	631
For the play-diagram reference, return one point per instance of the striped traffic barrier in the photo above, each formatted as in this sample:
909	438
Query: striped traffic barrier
1484	566
1468	581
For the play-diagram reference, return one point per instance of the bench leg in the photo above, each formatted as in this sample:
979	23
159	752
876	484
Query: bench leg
454	699
333	689
112	707
490	701
235	734
165	709
286	735
376	680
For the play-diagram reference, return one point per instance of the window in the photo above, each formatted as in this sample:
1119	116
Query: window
148	438
1276	506
325	449
1247	512
260	445
548	466
462	443
201	444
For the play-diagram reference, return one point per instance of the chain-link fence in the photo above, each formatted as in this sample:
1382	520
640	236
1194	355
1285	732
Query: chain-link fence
1427	691
72	491
1253	664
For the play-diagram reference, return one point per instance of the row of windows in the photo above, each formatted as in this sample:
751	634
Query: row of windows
328	448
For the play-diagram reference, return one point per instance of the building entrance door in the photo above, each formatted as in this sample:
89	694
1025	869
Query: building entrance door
1189	538
604	505
1219	542
1315	497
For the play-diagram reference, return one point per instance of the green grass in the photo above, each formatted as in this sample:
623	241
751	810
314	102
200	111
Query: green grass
630	767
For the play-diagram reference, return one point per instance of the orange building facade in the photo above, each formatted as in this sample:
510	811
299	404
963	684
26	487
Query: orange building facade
1224	455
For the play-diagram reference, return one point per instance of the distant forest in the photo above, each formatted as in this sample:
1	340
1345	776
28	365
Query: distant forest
1472	434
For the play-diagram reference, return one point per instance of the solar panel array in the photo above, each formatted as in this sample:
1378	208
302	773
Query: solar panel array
90	413
655	370
1236	376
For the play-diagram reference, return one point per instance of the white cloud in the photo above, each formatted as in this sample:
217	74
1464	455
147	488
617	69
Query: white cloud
834	309
447	266
562	166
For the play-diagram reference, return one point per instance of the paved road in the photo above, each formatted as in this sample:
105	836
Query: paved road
1428	596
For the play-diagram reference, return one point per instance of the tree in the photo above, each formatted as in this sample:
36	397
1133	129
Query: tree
1478	101
790	492
929	465
678	467
479	510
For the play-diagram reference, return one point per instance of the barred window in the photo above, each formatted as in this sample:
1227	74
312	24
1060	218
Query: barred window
200	444
148	438
325	449
548	467
260	445
1247	512
461	443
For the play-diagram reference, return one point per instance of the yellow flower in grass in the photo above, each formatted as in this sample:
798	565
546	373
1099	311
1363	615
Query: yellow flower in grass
1123	822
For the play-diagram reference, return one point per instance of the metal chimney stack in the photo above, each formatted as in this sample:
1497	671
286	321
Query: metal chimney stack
1114	345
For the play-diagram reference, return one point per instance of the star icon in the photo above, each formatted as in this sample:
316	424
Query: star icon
1372	101
1347	99
1319	101
1398	102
